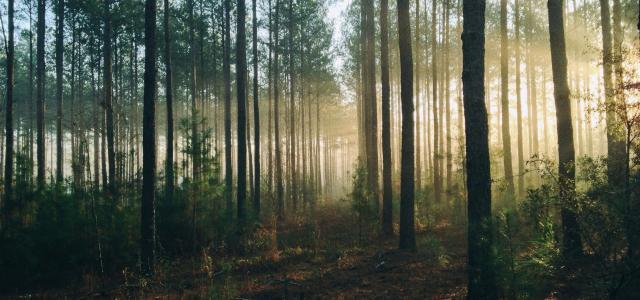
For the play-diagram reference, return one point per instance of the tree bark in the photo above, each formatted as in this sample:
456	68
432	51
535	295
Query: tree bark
437	180
504	95
276	118
59	91
566	156
147	208
170	180
195	139
108	95
387	192
615	145
40	74
481	284
521	170
370	101
228	179
241	78
256	115
407	229
8	204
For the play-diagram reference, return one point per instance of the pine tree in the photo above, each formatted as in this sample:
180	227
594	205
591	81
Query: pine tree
481	284
147	208
407	230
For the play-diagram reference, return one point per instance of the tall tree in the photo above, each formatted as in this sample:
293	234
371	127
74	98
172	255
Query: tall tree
387	192
256	113
615	145
195	140
147	208
370	101
292	108
59	91
504	95
8	165
437	180
226	70
519	102
566	155
417	58
407	230
276	116
108	96
40	78
482	282
241	89
618	157
169	94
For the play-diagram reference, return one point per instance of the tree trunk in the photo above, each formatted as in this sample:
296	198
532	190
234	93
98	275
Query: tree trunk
256	115
387	192
566	157
481	284
437	181
228	179
147	208
618	156
407	230
8	203
195	140
59	91
504	95
108	95
241	78
276	118
418	62
292	109
615	145
370	102
169	94
521	170
40	74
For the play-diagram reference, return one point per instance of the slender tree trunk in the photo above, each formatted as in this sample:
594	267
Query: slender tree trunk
195	140
31	114
417	85
270	113
292	111
437	181
447	97
241	78
40	73
481	284
387	192
504	95
615	145
256	114
276	118
618	156
521	170
59	91
228	179
407	230
571	243
169	94
108	95
370	102
8	204
147	209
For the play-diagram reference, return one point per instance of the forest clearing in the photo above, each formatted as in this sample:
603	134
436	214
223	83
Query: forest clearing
320	149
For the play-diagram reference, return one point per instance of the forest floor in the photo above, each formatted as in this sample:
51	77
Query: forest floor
376	271
333	259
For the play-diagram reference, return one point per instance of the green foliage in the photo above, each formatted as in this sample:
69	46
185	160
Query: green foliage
362	200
